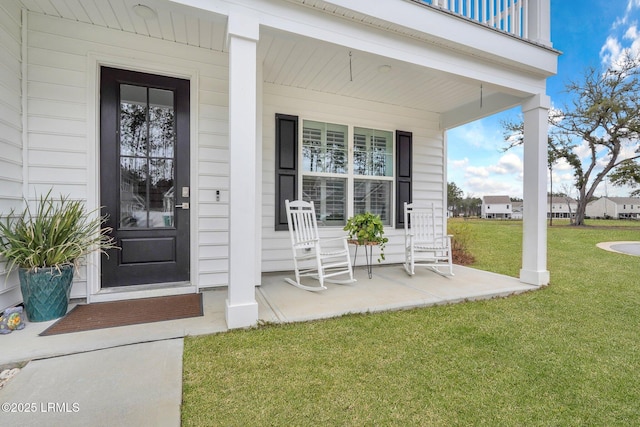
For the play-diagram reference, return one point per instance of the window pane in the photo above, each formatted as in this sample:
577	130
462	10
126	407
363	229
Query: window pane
161	194
146	157
373	196
133	192
161	134
133	120
329	197
372	152
324	147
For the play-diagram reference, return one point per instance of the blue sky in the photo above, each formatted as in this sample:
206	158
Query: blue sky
588	33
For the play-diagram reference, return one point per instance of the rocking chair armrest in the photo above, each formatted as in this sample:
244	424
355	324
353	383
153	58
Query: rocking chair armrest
408	238
445	238
343	239
335	239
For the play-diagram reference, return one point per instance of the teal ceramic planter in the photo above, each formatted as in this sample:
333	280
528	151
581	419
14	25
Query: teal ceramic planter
45	293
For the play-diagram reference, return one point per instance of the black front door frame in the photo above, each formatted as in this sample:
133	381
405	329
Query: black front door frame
159	272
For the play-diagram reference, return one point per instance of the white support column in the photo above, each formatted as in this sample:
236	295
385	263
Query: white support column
241	305
539	21
534	241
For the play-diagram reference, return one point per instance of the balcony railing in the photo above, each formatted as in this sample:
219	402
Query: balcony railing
506	15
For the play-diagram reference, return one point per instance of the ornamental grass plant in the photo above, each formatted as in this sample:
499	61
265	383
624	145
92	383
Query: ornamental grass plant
56	232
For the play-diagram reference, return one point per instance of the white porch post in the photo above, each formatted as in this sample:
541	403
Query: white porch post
241	306
534	242
539	21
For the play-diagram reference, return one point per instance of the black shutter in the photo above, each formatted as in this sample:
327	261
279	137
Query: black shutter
286	165
403	174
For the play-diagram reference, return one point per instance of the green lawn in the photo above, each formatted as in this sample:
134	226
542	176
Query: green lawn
565	355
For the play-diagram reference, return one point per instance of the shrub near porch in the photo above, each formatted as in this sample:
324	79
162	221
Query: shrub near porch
563	355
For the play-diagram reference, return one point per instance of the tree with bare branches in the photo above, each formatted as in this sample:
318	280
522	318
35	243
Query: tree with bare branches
603	117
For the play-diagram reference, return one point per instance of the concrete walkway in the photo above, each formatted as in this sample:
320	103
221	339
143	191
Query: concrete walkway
627	248
131	385
132	375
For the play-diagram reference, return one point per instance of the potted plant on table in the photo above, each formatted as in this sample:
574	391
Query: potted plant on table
46	245
367	229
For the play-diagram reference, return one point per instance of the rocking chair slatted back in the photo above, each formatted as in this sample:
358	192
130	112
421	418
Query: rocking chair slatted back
424	247
421	222
304	230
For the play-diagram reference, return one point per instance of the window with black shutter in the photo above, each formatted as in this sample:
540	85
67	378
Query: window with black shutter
334	168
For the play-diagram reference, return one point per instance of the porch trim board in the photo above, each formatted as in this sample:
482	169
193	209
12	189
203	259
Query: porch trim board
441	48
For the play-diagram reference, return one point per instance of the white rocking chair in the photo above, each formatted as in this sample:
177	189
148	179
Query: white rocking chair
308	258
423	247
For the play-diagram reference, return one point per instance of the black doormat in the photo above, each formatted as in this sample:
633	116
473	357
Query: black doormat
86	317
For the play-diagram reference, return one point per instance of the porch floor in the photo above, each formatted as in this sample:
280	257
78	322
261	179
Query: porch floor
390	288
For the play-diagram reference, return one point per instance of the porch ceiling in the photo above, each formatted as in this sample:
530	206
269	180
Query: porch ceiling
296	61
176	23
291	60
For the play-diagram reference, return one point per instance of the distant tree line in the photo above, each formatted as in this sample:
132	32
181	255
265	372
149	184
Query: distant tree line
458	205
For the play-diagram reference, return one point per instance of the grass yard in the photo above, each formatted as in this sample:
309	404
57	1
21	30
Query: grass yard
565	355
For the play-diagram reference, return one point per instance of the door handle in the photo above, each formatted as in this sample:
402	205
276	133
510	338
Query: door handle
183	206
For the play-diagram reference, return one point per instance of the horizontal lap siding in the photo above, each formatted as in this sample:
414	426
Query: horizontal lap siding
428	158
60	141
213	167
11	153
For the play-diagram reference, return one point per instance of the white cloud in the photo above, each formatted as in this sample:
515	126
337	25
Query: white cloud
504	176
460	164
632	33
582	150
509	164
479	171
628	151
486	187
624	38
562	165
631	5
610	51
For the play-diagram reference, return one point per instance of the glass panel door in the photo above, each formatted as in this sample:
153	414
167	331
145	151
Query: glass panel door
147	147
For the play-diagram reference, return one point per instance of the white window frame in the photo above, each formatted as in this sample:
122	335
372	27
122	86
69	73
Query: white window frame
349	175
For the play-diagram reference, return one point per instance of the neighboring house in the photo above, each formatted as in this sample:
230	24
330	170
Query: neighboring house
561	207
496	207
517	210
614	207
191	122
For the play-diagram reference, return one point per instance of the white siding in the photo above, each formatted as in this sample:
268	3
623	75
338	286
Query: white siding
428	158
603	207
11	175
61	141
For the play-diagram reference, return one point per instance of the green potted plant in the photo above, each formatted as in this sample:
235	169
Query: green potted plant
367	229
46	244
